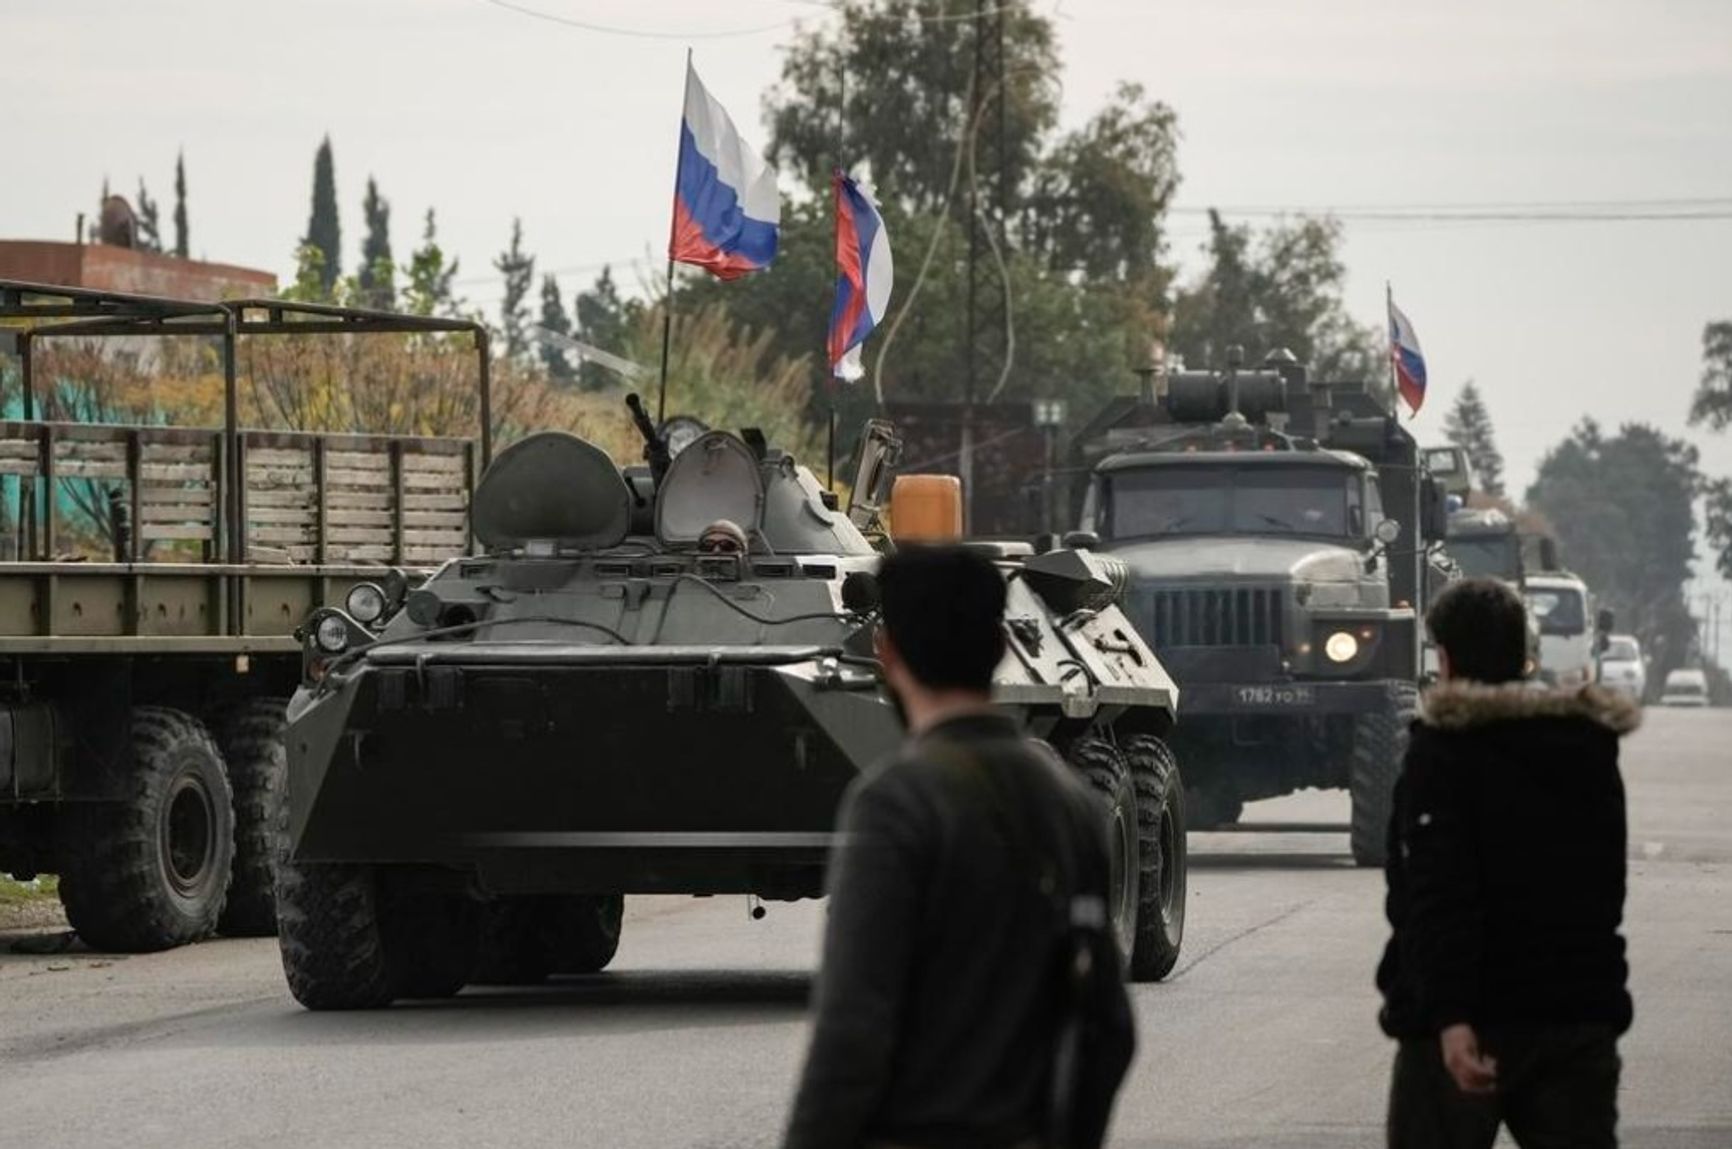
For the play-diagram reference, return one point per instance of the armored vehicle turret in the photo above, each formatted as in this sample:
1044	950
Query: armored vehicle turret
659	680
1276	531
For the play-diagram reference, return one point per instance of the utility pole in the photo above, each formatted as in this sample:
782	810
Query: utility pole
987	320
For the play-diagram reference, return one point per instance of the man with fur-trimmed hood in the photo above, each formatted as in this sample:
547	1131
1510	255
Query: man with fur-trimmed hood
1505	979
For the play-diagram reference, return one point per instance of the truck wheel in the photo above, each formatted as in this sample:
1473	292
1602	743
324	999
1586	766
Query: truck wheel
1161	850
150	871
431	943
1379	743
251	736
586	932
1105	769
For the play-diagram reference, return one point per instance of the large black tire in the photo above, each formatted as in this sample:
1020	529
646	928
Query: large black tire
329	932
1161	848
150	871
1105	769
431	943
586	932
526	940
251	737
1379	744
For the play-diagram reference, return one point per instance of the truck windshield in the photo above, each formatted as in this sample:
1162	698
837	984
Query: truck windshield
1558	609
1218	500
1488	556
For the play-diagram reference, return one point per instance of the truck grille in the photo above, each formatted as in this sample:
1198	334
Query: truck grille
1234	616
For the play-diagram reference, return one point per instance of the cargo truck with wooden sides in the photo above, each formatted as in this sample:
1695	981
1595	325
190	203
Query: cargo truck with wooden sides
142	689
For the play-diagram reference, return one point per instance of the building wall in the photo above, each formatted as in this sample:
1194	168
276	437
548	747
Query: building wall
106	268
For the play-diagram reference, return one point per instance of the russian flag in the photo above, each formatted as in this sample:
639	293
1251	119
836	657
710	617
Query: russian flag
1408	359
726	209
863	275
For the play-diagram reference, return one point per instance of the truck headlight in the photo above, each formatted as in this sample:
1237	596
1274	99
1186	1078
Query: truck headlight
365	603
1341	647
332	634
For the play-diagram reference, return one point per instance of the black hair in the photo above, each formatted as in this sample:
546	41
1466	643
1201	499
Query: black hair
1483	626
944	612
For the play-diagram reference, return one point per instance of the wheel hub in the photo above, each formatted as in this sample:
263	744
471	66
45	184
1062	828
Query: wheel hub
188	835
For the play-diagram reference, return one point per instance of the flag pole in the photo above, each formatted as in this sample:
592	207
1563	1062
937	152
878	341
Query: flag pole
673	233
1389	342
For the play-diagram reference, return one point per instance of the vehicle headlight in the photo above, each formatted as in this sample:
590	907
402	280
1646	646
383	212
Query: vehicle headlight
332	634
1341	647
365	603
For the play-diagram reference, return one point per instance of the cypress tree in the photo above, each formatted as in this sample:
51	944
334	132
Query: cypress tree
377	274
1468	426
324	231
554	318
518	268
428	291
181	244
149	237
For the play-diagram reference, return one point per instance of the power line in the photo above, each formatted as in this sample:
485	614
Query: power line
637	33
1561	211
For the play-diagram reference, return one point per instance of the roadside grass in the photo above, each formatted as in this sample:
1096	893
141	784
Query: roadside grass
16	893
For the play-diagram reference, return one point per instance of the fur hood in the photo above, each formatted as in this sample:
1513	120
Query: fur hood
1461	705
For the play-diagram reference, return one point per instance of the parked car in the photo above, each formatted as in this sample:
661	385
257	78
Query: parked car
1622	668
1685	688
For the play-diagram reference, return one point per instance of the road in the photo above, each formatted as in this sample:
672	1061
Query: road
1264	1035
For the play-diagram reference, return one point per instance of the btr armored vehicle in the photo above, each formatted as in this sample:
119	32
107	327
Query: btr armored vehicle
660	680
1276	530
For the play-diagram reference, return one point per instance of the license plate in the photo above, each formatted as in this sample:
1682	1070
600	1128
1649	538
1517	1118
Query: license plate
1275	696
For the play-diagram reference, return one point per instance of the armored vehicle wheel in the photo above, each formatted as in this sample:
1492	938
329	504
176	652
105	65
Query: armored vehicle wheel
1379	743
1162	857
517	942
329	932
153	867
251	737
1106	770
587	932
432	942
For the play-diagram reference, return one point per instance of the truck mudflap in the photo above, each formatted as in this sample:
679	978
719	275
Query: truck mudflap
1301	699
688	773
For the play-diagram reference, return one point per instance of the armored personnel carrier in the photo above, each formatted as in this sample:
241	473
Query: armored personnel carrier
659	680
1278	535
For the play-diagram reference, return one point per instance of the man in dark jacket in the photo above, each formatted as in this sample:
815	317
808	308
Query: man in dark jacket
1505	978
936	1007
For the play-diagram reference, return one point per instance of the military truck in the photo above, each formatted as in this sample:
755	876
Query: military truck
1277	530
145	685
661	680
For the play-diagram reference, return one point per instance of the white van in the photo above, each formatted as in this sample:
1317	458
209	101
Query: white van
1564	609
1685	688
1622	667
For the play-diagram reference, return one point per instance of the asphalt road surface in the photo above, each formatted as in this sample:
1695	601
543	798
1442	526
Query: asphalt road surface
1265	1035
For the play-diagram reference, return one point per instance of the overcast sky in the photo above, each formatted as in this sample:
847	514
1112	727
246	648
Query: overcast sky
485	113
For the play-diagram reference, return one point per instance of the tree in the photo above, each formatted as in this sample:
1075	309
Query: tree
324	230
518	269
1713	405
149	234
601	318
1623	511
908	77
554	319
377	275
1468	426
182	244
429	287
1278	289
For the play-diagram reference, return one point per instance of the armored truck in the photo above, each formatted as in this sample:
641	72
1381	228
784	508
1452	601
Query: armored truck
145	682
661	680
1276	530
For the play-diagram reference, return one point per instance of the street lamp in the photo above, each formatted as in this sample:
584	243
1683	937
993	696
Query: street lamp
1049	415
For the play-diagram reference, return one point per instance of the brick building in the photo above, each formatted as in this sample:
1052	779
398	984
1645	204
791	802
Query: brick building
109	267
